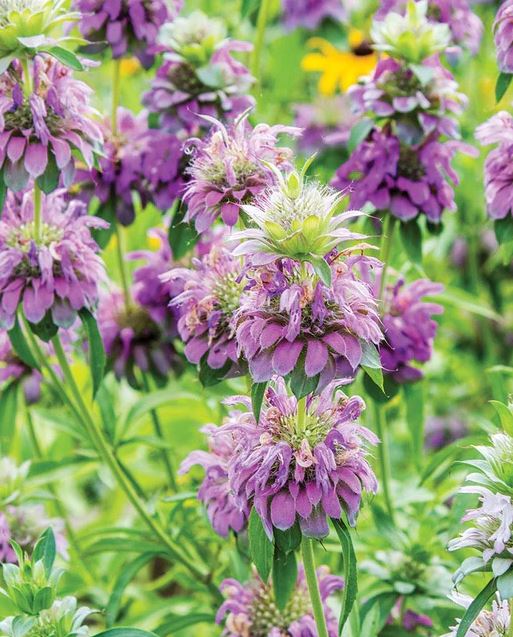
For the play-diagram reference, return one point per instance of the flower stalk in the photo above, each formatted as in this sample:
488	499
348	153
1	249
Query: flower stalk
383	456
384	251
263	15
313	586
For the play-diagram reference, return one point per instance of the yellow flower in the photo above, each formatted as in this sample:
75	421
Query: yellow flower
339	69
129	67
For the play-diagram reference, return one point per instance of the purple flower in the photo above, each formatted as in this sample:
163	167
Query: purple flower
40	132
136	159
498	166
405	180
57	272
441	431
408	619
310	13
489	623
13	369
215	492
199	76
301	469
503	33
212	293
227	170
128	27
326	122
465	26
409	328
289	321
250	608
133	340
394	91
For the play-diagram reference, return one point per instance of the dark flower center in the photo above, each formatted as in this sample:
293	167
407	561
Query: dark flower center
139	321
409	164
21	119
183	77
402	82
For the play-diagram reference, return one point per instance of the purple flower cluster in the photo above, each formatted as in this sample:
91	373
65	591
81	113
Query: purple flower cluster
13	369
498	166
128	27
227	170
395	91
215	492
40	131
310	13
136	159
406	180
465	26
289	319
503	31
199	76
57	271
441	431
250	609
409	328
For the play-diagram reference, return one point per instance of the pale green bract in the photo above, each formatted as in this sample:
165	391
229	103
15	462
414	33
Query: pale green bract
411	37
12	477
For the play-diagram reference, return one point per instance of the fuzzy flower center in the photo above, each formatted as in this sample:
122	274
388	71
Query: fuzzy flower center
409	164
137	319
8	6
290	213
402	82
243	168
184	78
227	291
22	119
265	614
285	428
44	628
22	237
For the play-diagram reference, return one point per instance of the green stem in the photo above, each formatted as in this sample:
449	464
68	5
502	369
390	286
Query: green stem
116	95
301	414
27	77
157	427
106	454
37	213
383	456
313	586
263	15
123	273
384	251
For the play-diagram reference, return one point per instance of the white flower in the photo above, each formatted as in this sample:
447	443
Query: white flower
489	623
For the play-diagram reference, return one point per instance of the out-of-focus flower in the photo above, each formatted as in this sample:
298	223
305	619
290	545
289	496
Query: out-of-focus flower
503	32
215	492
405	180
489	623
133	340
212	293
408	619
289	321
410	37
310	13
297	219
466	28
28	25
250	608
199	75
228	169
64	618
326	122
57	270
302	467
339	69
498	166
442	430
395	91
137	159
24	523
41	129
408	327
128	27
13	368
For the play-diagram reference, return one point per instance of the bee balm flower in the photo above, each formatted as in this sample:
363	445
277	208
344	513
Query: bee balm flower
504	37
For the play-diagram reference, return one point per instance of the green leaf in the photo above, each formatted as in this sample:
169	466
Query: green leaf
383	604
209	376
321	268
300	384
127	574
505	585
45	329
182	235
154	400
8	403
502	85
49	180
21	347
289	540
284	576
358	133
350	572
411	238
211	75
376	375
97	358
371	363
248	7
475	608
257	397
45	550
423	73
68	58
503	229
125	632
106	404
505	415
261	549
414	402
175	623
